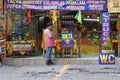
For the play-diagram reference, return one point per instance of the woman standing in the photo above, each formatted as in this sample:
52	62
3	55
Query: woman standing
50	42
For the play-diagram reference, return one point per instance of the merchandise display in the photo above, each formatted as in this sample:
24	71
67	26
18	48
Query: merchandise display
2	34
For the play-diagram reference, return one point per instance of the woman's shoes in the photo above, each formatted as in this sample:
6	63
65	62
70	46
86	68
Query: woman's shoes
49	62
0	64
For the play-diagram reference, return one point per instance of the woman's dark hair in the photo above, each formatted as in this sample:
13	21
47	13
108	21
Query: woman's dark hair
49	24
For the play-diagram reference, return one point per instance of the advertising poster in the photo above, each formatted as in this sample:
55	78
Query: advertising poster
22	46
113	6
67	40
105	27
107	55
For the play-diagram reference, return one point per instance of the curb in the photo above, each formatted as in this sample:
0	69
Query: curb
36	61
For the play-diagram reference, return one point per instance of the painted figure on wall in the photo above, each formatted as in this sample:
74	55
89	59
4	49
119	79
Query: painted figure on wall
115	3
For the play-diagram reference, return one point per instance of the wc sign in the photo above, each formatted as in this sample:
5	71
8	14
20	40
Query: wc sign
106	57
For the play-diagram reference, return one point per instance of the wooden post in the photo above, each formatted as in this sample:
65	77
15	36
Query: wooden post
118	44
79	39
79	43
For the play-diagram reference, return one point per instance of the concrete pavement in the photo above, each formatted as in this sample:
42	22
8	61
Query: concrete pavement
72	72
34	68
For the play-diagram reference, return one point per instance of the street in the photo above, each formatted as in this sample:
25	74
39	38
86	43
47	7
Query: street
60	72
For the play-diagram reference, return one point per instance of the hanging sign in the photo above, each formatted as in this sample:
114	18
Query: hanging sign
19	46
85	5
105	26
67	40
113	6
106	56
96	5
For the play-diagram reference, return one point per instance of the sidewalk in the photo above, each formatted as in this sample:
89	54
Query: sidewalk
39	60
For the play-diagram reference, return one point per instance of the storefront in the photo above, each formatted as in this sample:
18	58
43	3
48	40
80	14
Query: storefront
114	11
27	19
2	29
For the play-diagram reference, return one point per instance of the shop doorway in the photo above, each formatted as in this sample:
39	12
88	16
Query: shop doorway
91	33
